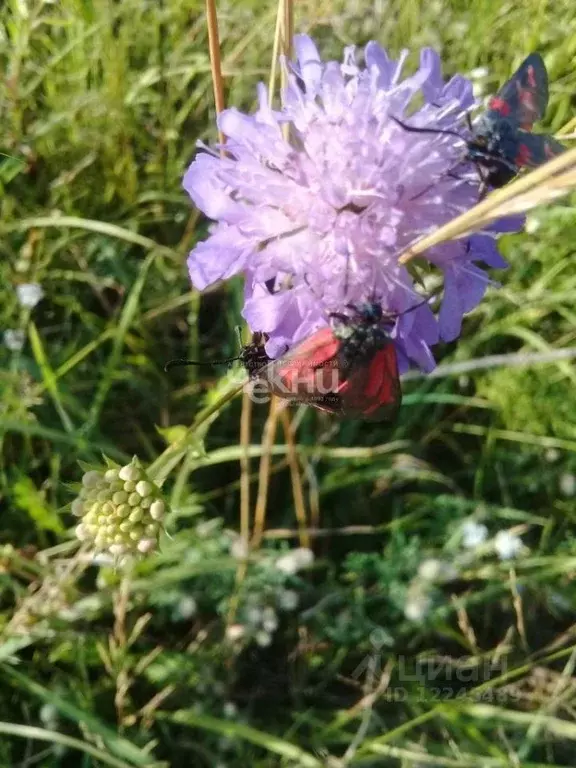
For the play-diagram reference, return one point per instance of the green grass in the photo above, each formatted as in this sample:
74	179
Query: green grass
103	102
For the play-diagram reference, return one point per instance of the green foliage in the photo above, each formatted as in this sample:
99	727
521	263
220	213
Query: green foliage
200	655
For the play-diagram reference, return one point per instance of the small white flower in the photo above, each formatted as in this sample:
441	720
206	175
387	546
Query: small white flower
263	639
186	607
507	545
230	709
434	569
431	569
478	73
29	294
235	632
239	548
269	620
567	484
417	606
552	455
532	224
295	561
473	534
49	715
14	339
288	600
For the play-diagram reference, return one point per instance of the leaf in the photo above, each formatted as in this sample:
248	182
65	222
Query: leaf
172	434
10	167
116	744
41	734
239	731
29	499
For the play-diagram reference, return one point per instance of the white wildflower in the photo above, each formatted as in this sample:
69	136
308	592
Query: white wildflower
269	620
295	561
14	339
473	534
29	294
263	639
567	484
434	569
235	632
239	548
288	600
417	606
507	545
186	607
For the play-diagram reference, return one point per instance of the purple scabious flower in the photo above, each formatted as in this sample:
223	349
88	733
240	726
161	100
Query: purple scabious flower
319	223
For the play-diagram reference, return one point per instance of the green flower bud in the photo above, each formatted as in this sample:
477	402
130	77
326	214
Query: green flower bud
152	529
146	545
157	510
91	479
77	508
136	515
123	510
144	488
120	512
130	472
136	533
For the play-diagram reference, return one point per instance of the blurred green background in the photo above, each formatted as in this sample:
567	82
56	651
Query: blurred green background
193	660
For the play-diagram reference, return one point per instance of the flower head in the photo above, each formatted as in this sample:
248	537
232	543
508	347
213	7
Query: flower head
296	560
14	339
121	511
473	534
319	223
29	294
507	545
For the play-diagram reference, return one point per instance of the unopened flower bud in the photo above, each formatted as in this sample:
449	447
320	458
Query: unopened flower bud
115	518
91	479
157	510
77	508
130	473
144	488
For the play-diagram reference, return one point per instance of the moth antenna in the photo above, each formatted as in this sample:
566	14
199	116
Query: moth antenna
179	362
414	129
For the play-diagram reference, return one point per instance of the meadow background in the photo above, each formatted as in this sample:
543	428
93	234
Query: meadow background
195	658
